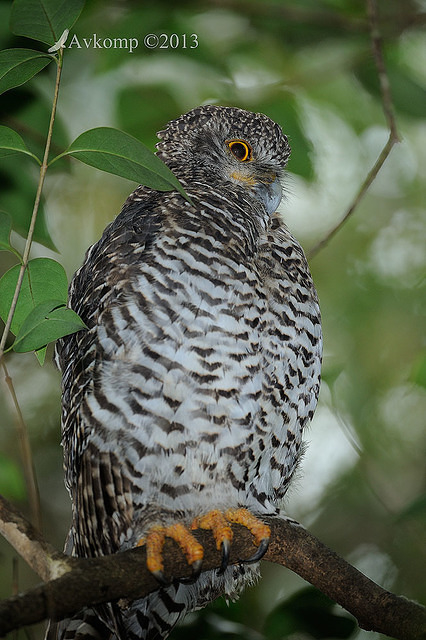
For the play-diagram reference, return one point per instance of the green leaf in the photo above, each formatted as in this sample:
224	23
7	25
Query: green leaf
17	192
287	113
47	322
116	152
408	96
418	374
5	229
415	510
44	279
308	612
19	65
44	20
41	355
11	142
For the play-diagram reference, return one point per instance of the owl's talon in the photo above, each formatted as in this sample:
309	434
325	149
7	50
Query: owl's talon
160	577
196	568
226	549
154	542
261	550
261	532
219	524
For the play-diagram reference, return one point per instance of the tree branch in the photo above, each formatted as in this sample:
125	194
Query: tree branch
359	196
82	582
41	556
377	49
28	243
26	454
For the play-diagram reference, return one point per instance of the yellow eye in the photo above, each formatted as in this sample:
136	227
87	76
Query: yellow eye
240	149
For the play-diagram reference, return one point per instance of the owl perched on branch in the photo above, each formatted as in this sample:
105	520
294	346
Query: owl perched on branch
185	401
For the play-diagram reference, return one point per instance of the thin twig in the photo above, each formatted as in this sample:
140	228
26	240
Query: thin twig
15	586
376	44
43	170
361	193
385	90
27	458
15	576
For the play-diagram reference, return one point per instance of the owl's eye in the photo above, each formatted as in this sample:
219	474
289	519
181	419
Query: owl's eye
240	149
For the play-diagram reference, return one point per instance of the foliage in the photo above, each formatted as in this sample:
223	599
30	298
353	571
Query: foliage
118	153
309	66
41	314
308	614
42	317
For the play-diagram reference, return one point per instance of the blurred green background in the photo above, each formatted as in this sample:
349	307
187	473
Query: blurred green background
308	65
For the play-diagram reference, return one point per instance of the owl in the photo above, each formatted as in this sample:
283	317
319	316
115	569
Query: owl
185	400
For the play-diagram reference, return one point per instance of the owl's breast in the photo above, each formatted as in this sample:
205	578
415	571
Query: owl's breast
180	362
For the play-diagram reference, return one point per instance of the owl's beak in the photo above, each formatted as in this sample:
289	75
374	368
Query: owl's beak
269	194
267	191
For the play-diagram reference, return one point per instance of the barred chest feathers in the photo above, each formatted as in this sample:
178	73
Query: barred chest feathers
190	390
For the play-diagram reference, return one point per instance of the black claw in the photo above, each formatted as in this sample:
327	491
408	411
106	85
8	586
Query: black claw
196	568
226	548
261	550
160	577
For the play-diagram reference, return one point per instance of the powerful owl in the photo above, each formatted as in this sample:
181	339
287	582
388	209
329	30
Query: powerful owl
185	400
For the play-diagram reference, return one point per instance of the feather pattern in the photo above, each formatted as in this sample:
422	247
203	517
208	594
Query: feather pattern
200	367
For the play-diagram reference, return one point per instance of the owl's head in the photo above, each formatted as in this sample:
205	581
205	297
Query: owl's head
227	145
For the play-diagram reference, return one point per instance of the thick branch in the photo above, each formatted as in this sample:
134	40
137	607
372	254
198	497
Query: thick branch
124	575
42	557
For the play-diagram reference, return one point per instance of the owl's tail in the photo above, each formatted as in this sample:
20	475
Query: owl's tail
151	618
86	625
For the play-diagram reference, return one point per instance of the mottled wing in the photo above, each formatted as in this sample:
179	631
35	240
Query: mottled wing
101	494
292	347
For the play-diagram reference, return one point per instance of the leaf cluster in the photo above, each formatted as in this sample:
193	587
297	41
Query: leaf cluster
40	315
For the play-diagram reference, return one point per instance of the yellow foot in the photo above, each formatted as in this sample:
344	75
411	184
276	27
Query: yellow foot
154	542
218	523
261	532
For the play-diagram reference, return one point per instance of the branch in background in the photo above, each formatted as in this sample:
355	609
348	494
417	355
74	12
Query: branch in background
410	17
27	458
376	43
41	556
28	243
86	582
361	193
377	47
295	13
